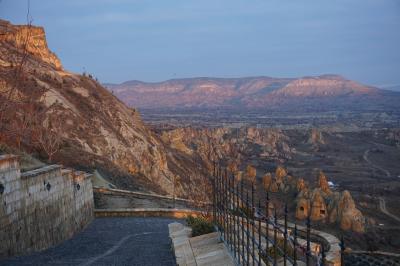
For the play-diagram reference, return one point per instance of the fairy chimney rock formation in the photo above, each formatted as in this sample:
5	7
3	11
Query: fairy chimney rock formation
349	216
318	207
300	184
251	173
267	180
280	173
303	208
322	183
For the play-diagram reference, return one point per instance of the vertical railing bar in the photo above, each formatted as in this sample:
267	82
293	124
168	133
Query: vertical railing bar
230	213
221	202
214	193
295	246
234	212
342	249
275	236
229	209
267	226
259	233
224	203
218	199
323	254
285	237
248	228
225	206
308	253
242	223
252	222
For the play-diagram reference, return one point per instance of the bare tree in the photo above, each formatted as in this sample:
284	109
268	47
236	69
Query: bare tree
11	100
48	136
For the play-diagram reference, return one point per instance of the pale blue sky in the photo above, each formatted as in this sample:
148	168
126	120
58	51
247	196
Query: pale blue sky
119	40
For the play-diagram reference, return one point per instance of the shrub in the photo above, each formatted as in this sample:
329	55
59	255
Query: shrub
200	225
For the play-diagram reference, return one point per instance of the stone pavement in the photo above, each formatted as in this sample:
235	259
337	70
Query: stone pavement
110	241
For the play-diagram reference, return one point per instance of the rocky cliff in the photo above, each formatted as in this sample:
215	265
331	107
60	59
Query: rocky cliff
96	130
30	38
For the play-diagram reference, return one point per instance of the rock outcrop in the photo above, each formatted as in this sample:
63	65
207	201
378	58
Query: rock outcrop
96	130
345	213
30	38
322	183
319	203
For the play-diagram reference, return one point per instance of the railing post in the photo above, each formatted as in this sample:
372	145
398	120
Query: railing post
323	255
214	195
234	216
217	195
252	223
342	248
243	217
220	201
225	206
259	233
275	237
285	237
248	228
295	246
308	253
267	222
229	209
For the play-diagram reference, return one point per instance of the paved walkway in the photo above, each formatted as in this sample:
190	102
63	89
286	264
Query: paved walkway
110	241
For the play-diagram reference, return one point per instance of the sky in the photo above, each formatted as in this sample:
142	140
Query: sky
150	40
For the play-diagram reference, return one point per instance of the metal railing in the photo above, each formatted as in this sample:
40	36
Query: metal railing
252	230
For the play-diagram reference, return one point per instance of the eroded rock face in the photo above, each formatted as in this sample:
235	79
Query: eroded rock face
31	37
316	137
227	144
97	130
349	216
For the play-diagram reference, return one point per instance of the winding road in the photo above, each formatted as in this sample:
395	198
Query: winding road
382	202
366	159
382	207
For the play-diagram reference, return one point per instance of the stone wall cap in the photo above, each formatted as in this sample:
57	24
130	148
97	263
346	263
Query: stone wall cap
128	192
88	175
7	157
39	171
66	170
146	210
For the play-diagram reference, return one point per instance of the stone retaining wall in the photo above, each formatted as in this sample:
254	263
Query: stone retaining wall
42	207
107	198
147	212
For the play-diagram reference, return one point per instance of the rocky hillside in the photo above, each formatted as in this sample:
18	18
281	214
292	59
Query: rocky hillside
72	119
307	93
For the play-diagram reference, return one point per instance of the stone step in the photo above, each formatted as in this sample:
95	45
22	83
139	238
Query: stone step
201	250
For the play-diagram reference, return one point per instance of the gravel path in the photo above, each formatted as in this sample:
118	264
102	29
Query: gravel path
110	241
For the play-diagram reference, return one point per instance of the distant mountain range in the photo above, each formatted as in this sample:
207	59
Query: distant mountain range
324	92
